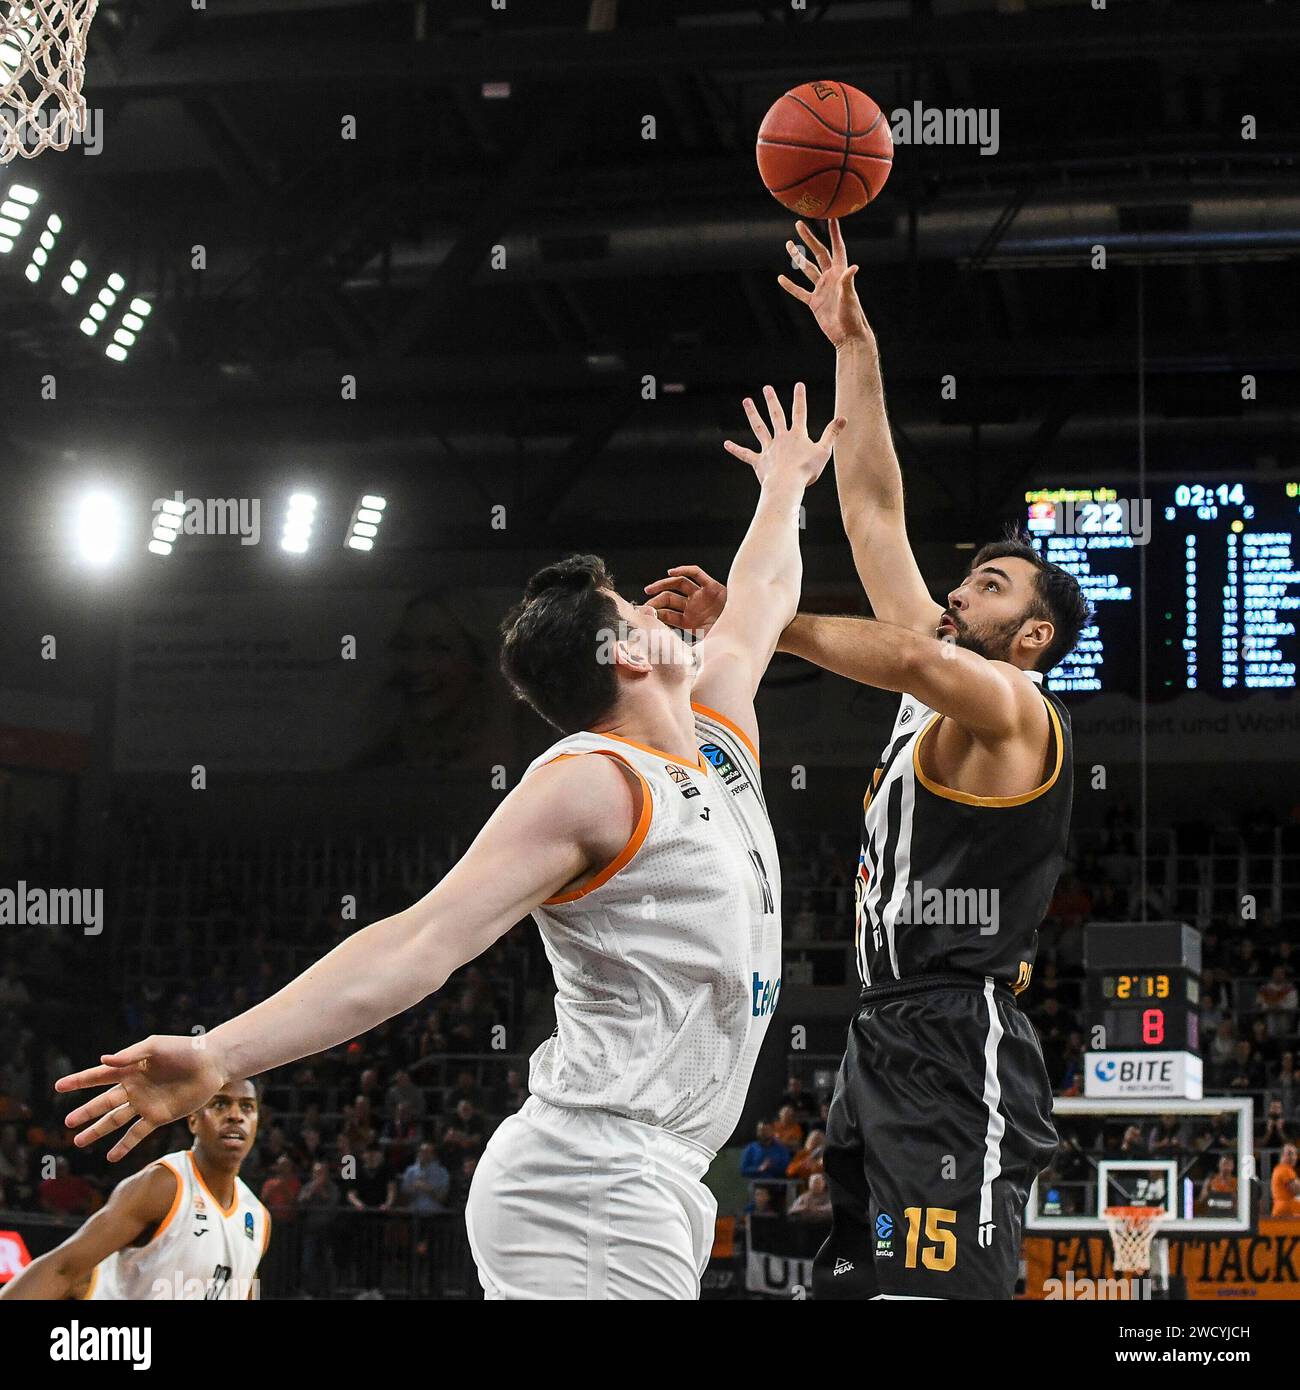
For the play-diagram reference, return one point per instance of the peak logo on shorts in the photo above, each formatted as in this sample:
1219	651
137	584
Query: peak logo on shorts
765	995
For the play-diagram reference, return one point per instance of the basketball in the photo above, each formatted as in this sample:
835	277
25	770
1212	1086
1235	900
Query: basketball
824	149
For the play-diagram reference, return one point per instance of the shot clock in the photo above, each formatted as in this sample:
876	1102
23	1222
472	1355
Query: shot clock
1143	993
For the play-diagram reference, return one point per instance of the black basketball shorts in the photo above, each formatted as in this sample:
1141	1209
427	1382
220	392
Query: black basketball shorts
940	1121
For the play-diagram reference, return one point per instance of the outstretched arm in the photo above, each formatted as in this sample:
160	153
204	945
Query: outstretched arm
137	1205
867	474
568	818
990	699
762	592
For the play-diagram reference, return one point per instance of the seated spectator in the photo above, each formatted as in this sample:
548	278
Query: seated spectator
1211	1015
281	1190
787	1128
400	1138
426	1183
464	1176
469	1121
1264	1046
1244	1072
762	1202
815	1204
809	1159
1275	1130
1133	1145
764	1156
1276	999
1286	1187
404	1091
802	1102
1223	1045
65	1194
1286	1083
373	1189
1166	1138
511	1096
1219	1190
456	1147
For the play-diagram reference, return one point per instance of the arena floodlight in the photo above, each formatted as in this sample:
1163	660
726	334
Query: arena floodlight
69	285
366	518
47	240
10	227
301	517
116	351
79	268
5	245
141	307
107	298
23	194
89	327
132	321
15	210
40	255
32	272
158	547
54	223
116	283
98	528
127	339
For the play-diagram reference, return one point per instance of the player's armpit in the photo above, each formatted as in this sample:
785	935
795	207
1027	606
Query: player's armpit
138	1205
726	685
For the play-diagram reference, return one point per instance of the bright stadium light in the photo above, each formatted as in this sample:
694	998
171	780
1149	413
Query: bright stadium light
22	194
298	524
98	528
116	351
166	526
366	518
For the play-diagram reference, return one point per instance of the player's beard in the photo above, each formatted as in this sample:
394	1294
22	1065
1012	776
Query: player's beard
993	642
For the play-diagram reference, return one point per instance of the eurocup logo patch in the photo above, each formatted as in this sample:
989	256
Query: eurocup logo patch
248	1224
884	1225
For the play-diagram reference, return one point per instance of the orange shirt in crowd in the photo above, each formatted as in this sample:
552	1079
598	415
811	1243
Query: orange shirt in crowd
790	1135
1284	1204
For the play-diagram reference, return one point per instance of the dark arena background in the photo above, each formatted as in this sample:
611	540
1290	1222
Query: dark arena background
481	284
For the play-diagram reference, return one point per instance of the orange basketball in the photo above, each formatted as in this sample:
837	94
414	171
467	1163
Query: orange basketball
824	149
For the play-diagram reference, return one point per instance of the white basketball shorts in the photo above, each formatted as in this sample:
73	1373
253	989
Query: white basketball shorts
582	1204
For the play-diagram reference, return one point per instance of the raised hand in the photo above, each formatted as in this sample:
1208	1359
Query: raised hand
834	296
688	598
151	1083
786	448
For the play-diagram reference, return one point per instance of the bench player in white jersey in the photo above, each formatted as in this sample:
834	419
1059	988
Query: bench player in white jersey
186	1227
641	844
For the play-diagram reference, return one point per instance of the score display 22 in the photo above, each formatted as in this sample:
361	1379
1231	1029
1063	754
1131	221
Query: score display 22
1222	562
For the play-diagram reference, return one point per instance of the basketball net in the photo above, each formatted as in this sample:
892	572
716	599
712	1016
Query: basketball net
1132	1229
42	67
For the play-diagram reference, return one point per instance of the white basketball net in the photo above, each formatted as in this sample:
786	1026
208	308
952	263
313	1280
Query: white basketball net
42	67
1132	1229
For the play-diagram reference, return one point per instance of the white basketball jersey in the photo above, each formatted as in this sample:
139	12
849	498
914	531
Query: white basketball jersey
199	1252
667	964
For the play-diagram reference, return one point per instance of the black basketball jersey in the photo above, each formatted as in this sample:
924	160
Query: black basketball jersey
948	881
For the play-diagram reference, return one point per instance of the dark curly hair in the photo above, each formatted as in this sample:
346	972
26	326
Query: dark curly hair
1057	596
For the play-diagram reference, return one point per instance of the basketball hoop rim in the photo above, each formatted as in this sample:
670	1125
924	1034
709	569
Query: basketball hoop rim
1145	1215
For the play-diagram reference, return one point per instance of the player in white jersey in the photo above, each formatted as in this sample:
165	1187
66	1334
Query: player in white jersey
641	843
186	1227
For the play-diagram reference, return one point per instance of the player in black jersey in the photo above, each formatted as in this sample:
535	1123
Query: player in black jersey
941	1116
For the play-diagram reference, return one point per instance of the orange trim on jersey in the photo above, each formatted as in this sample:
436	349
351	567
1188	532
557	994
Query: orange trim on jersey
176	1201
635	840
729	724
234	1201
699	762
969	798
